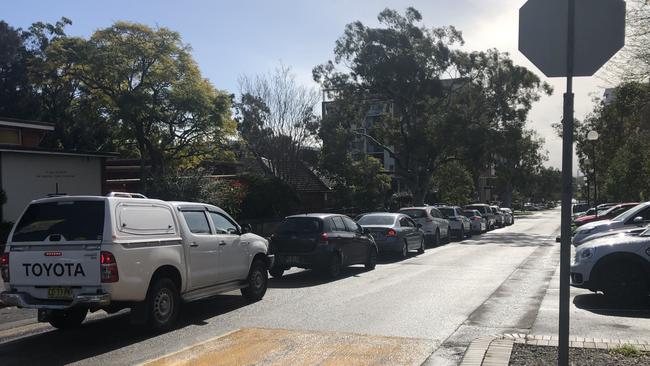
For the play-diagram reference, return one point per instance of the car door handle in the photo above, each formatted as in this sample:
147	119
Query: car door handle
193	245
222	243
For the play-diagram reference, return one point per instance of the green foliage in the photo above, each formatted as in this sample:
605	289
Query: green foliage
622	151
369	185
194	186
454	183
267	197
626	350
482	108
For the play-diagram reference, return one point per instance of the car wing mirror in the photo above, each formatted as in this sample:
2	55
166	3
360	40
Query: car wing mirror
366	231
418	225
638	220
246	229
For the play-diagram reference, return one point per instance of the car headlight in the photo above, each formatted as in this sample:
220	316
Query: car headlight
585	254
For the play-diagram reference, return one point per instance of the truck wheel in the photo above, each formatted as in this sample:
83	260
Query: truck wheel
276	272
372	259
624	283
257	282
163	303
68	319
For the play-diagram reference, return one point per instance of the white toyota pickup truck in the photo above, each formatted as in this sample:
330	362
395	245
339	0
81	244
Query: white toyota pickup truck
70	254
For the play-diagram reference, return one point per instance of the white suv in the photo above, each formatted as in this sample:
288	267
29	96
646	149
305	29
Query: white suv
618	265
67	255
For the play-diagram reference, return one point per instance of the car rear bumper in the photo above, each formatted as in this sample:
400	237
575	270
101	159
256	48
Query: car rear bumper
25	300
315	259
389	245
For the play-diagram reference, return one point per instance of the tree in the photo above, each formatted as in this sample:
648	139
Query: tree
277	118
146	83
400	64
17	97
633	62
622	150
454	183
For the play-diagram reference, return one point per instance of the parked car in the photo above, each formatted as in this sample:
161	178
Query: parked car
478	223
578	208
509	217
70	254
618	265
460	225
434	225
498	216
638	215
394	232
324	242
619	231
486	212
609	213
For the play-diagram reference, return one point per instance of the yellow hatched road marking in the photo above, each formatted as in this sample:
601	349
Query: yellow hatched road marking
258	346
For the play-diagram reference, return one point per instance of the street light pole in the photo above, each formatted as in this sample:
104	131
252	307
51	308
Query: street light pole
593	137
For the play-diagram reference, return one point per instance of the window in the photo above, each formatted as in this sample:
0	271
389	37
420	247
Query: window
72	220
446	211
145	219
222	225
10	136
352	226
197	222
300	225
338	223
376	220
414	213
405	222
436	213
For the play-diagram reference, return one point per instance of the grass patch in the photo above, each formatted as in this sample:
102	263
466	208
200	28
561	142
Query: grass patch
626	350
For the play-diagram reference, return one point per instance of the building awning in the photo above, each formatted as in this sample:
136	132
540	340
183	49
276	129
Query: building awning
38	150
23	123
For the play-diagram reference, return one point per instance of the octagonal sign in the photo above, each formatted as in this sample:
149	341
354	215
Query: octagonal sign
599	34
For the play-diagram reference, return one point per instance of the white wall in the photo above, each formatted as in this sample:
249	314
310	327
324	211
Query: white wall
28	176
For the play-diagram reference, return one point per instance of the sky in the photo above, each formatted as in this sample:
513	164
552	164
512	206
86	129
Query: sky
246	37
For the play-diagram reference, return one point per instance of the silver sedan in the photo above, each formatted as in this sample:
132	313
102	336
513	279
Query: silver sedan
394	232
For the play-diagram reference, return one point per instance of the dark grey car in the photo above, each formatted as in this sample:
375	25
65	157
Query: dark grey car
394	232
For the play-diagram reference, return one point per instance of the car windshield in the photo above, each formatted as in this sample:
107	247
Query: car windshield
629	213
300	225
447	211
377	220
72	220
414	213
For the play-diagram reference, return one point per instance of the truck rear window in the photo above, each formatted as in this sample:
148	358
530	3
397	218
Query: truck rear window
72	220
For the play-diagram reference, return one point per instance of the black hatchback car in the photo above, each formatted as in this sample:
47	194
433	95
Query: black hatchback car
324	242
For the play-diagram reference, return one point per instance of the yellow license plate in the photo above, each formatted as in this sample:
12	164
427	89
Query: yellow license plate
59	293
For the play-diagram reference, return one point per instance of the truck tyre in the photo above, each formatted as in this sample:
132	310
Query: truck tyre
624	283
68	319
276	272
372	259
257	282
163	303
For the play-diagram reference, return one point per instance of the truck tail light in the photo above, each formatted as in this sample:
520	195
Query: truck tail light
108	267
4	267
391	233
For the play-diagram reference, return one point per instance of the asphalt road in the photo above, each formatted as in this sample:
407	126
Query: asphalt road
448	296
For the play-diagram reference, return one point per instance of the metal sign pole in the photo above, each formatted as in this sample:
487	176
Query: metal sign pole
567	187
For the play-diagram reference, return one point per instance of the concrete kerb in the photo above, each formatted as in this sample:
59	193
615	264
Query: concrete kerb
496	350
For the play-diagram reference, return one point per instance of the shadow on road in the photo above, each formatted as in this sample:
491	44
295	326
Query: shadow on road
599	304
97	337
510	239
309	278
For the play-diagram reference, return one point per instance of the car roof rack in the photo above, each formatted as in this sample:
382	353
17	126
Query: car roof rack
126	195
